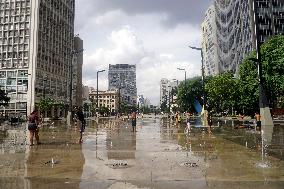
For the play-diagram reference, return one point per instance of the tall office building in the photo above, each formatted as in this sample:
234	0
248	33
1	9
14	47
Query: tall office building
236	28
271	18
123	77
234	32
77	72
209	42
36	44
164	92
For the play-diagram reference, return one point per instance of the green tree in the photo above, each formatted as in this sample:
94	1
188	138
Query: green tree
187	96
45	104
272	53
248	86
164	107
222	92
104	111
272	56
86	107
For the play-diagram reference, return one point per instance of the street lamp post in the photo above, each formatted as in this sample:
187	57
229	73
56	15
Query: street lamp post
44	81
185	87
98	87
263	102
169	99
119	101
203	84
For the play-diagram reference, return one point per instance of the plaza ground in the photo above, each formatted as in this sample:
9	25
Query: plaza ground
158	156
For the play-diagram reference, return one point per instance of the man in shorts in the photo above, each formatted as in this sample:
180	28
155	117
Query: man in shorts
257	119
133	120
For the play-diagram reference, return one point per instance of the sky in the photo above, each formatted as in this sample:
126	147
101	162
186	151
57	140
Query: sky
152	34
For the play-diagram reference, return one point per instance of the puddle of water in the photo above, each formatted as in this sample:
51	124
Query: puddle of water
112	156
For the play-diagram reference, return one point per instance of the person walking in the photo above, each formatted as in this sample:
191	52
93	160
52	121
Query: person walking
133	120
82	123
257	119
33	122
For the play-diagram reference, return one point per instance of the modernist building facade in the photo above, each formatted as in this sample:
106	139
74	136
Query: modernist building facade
108	99
209	42
77	87
123	78
271	18
235	29
234	32
36	44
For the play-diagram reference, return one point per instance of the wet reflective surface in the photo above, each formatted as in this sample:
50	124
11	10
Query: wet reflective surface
160	155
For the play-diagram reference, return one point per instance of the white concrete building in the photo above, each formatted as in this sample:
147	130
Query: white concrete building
164	92
36	44
234	33
209	42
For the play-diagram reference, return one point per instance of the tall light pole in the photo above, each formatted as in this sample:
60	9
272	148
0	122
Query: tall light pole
203	83
263	102
44	81
169	98
98	87
185	88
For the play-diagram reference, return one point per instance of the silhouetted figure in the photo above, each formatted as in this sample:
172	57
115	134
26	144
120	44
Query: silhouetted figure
82	123
133	120
33	121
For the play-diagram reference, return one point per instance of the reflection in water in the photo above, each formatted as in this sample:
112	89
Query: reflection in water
120	142
160	152
270	140
55	164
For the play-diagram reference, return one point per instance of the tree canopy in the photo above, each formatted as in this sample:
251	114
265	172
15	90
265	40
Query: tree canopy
225	92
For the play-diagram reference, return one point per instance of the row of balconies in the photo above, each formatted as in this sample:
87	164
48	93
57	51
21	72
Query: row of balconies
13	5
13	51
15	13
16	28
12	54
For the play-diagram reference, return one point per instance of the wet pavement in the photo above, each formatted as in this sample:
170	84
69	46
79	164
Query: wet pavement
158	156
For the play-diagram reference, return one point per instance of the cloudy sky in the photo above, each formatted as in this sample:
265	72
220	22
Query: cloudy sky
153	34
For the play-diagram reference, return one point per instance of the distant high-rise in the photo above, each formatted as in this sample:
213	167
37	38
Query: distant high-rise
36	44
164	83
123	77
165	88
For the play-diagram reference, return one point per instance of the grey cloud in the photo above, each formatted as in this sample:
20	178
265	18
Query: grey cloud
178	11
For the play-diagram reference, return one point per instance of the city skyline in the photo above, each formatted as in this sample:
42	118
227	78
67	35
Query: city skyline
152	35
